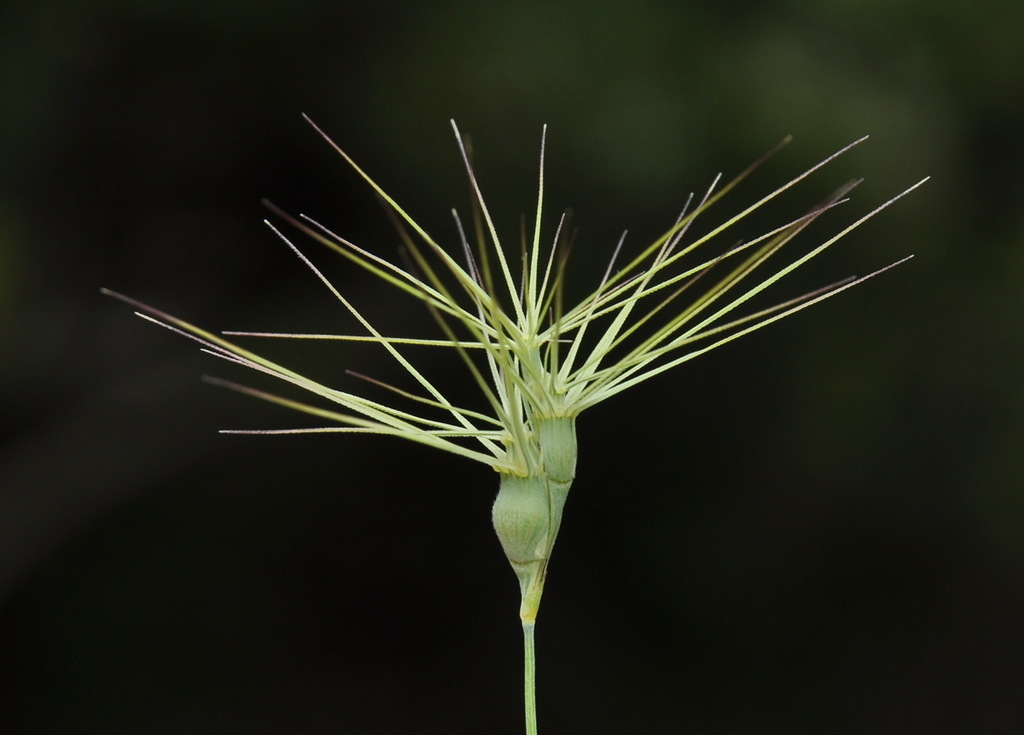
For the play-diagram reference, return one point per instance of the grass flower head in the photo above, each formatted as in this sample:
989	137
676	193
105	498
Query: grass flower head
538	361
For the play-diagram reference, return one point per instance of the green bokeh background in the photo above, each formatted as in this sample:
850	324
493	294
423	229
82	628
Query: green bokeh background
819	529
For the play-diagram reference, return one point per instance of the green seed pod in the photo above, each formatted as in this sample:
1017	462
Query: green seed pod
557	438
522	517
522	520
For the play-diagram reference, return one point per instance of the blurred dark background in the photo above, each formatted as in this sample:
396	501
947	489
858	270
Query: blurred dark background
818	529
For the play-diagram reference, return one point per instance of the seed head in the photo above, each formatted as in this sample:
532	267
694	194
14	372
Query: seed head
538	362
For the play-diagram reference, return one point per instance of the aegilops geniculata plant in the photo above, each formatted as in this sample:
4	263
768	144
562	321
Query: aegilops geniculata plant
539	362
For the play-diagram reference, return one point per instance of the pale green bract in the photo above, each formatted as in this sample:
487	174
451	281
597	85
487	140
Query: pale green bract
538	362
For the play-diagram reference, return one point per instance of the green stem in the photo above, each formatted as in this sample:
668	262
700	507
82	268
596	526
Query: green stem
530	679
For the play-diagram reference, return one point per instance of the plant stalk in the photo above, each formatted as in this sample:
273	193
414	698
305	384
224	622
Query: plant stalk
529	679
